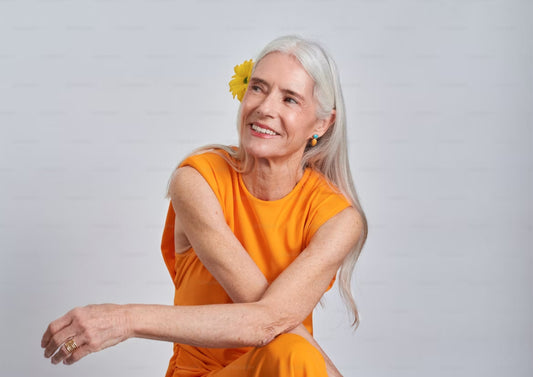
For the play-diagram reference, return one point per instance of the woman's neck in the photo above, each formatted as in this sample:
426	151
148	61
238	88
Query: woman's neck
271	181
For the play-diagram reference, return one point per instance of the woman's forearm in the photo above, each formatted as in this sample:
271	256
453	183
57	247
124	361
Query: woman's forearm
95	327
194	325
227	325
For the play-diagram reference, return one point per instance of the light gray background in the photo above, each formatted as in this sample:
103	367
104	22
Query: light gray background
100	99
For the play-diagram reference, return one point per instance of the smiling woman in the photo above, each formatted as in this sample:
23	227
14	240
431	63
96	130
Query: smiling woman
254	235
279	115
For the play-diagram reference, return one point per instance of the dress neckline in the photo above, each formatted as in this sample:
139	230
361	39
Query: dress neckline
294	191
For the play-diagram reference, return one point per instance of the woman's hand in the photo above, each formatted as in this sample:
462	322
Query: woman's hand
92	328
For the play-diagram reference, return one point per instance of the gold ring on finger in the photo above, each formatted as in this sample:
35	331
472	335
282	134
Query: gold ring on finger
70	345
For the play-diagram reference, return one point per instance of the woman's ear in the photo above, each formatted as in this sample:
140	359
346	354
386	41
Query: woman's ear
325	124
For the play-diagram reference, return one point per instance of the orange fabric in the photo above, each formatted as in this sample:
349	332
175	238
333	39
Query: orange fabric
273	233
287	355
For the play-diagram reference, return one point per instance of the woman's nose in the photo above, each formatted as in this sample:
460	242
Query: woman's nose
268	106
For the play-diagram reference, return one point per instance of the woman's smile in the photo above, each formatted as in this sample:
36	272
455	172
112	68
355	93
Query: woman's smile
261	130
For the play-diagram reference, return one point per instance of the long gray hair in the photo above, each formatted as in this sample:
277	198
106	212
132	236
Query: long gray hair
330	155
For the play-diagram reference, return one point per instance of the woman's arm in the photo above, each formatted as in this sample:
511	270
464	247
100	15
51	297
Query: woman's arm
289	299
198	213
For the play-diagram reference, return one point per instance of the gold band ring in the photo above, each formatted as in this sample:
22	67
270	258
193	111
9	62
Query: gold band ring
70	345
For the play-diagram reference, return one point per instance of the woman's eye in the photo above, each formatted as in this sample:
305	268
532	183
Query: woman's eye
256	88
291	100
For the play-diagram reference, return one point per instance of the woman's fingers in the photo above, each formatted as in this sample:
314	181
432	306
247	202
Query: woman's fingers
58	339
64	336
92	328
77	355
54	327
66	351
60	331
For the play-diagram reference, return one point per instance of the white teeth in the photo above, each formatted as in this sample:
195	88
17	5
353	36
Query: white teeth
262	130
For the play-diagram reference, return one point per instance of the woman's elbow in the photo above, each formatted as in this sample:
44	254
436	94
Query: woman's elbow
263	336
268	324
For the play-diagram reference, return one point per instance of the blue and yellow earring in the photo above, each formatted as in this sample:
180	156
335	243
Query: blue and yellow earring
314	140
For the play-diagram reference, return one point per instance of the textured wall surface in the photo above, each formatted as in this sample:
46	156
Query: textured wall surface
99	100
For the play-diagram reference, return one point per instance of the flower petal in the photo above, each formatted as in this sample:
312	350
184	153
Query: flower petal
239	81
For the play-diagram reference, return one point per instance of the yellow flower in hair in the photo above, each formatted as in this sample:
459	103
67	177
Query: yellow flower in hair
239	81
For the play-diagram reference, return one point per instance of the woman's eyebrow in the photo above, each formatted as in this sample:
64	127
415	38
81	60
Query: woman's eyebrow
293	94
257	80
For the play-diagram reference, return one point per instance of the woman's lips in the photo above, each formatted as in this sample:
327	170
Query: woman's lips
262	129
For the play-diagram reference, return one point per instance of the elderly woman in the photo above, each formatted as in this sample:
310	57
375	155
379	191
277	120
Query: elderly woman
254	235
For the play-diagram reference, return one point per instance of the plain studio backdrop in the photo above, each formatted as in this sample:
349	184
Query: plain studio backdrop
99	100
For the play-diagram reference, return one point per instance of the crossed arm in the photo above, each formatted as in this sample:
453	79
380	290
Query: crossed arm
260	311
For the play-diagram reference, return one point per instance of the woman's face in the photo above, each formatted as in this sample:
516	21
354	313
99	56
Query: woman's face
278	113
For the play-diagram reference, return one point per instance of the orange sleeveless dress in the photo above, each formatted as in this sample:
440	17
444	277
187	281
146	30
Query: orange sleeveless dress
273	233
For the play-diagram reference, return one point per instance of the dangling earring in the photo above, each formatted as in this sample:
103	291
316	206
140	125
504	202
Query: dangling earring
314	140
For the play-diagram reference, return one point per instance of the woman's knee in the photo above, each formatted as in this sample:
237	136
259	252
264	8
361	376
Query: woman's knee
289	355
292	352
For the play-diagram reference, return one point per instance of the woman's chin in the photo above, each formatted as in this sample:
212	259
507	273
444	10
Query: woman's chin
260	150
